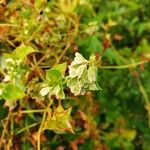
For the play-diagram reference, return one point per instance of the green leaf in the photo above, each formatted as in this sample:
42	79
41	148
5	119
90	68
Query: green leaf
93	86
20	52
77	71
79	59
61	68
61	94
54	80
59	121
111	55
76	89
53	75
12	92
90	45
128	134
4	112
2	102
92	73
144	47
72	81
50	124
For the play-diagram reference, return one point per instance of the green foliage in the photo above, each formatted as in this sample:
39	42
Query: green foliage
54	80
61	68
20	52
90	45
59	120
3	112
12	92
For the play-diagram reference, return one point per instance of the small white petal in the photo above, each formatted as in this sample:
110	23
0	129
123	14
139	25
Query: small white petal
79	59
72	72
7	78
80	70
56	89
76	89
44	91
92	72
9	60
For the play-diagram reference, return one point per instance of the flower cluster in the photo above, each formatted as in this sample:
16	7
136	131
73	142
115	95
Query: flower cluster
13	67
82	75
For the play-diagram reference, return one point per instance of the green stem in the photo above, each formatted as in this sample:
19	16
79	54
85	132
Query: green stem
123	66
142	90
29	111
40	130
63	53
10	140
41	126
34	33
5	129
26	128
9	25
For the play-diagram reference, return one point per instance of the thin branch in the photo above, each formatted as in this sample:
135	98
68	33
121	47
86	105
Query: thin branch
41	126
146	98
9	25
4	130
29	111
26	128
63	53
123	66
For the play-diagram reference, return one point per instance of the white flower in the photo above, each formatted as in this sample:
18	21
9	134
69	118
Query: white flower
44	91
7	78
82	75
76	89
77	71
78	66
79	59
9	60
